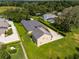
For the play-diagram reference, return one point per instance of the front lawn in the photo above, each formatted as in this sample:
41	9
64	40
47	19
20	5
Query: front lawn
63	48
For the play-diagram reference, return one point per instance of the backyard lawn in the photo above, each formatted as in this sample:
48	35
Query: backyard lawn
62	48
18	54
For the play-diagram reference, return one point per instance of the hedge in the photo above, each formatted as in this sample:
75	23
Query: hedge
52	27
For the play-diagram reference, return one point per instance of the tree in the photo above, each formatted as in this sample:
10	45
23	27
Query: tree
65	26
3	53
72	15
76	56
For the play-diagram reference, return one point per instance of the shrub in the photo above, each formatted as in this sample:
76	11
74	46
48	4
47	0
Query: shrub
9	25
4	55
9	32
77	48
12	51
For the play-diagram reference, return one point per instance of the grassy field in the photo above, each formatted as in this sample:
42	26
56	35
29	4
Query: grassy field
19	54
58	49
5	8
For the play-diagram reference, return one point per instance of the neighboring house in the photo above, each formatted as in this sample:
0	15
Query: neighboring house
8	32
3	26
40	34
50	17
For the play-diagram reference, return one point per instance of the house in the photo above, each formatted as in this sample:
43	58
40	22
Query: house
8	32
50	17
3	26
40	34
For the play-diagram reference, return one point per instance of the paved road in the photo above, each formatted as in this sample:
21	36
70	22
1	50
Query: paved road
23	50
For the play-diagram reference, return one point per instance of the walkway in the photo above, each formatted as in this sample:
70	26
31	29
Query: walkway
23	50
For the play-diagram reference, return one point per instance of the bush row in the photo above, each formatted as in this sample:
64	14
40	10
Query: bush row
52	27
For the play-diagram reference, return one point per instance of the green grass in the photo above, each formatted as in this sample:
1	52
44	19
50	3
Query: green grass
5	8
60	48
19	54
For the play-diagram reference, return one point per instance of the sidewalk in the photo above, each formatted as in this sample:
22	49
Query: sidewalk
23	51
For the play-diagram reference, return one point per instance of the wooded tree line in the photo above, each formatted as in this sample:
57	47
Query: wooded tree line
69	19
32	8
28	9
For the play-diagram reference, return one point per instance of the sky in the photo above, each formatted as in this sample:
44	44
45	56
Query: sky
39	0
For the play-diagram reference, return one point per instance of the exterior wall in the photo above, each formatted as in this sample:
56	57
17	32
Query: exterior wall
44	39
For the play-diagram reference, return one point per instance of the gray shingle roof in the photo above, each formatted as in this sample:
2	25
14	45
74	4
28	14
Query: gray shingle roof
3	25
36	27
49	16
2	31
